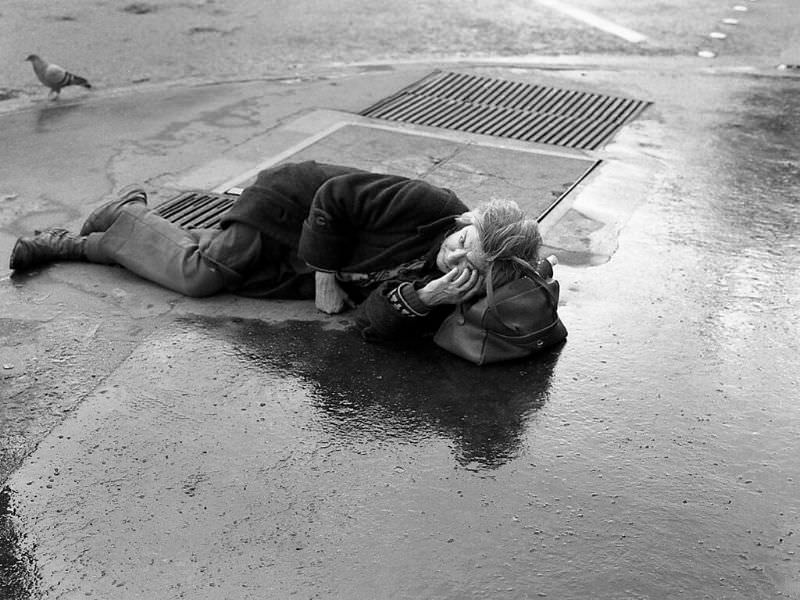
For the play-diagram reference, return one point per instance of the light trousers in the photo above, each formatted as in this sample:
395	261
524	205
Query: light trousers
193	262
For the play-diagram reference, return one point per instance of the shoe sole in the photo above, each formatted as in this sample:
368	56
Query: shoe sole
132	190
13	262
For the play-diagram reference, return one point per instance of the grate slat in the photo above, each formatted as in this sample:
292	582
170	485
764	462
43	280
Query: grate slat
554	101
609	108
193	210
505	117
200	212
583	105
418	111
511	109
456	120
400	108
456	86
591	136
494	92
544	100
440	111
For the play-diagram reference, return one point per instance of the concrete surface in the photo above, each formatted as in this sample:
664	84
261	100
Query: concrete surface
119	43
229	448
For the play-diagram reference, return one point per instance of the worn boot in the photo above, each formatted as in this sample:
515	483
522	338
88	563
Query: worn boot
103	216
46	246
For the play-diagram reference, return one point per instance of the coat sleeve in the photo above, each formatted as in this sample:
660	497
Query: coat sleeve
362	214
394	313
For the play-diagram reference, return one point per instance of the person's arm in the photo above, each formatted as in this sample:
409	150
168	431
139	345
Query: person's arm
362	213
404	310
394	313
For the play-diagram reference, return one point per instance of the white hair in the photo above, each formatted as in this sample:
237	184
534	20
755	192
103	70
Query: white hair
505	232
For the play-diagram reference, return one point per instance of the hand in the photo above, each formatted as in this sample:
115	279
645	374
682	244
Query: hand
451	288
330	297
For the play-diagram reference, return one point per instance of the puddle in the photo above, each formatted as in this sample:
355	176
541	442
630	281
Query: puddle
19	579
401	393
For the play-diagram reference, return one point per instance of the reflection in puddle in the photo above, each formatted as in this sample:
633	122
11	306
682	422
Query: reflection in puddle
18	576
51	114
405	394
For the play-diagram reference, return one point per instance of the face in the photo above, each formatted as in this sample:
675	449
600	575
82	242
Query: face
460	249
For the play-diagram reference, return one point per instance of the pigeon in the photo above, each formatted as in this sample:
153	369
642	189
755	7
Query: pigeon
55	77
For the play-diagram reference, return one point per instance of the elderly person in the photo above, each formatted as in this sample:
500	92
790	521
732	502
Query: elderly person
400	250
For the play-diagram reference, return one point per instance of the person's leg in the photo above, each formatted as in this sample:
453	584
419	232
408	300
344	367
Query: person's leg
185	261
103	216
45	247
58	244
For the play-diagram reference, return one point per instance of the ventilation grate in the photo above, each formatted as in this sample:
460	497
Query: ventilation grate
192	210
510	109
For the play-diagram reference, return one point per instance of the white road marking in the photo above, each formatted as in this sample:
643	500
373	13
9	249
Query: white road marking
594	20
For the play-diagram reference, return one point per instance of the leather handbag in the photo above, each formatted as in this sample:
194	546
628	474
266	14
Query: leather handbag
514	321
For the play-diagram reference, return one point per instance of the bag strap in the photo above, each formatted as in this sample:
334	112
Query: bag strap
536	277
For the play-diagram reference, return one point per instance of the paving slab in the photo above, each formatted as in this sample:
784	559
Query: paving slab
476	167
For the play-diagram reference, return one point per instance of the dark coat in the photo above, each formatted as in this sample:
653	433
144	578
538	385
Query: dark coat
278	201
347	220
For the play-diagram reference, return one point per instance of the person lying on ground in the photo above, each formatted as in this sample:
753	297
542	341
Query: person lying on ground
400	251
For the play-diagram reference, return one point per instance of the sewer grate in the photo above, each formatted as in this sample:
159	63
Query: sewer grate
510	109
192	210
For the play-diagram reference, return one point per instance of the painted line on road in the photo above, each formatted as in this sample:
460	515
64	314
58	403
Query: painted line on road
595	21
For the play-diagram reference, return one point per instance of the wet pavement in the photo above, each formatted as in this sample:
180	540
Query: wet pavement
168	447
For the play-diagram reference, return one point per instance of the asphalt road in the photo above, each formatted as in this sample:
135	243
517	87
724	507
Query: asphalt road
124	43
159	446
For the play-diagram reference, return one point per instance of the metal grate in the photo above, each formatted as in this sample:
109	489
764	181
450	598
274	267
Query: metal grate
510	109
193	210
